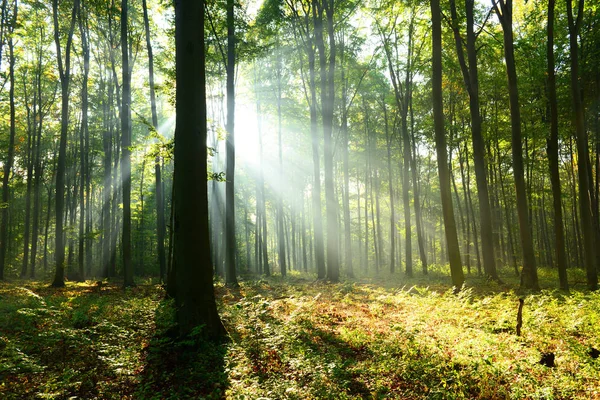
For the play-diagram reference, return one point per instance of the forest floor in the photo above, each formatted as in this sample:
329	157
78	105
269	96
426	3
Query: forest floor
386	337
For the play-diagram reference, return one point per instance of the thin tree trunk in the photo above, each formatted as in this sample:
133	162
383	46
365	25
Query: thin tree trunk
230	239
391	187
4	206
160	214
327	68
583	160
316	190
280	229
65	75
471	80
529	278
416	193
126	144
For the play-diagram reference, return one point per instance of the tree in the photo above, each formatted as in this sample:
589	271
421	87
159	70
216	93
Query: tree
65	79
327	71
126	146
529	278
84	137
553	163
11	144
441	150
160	208
230	250
195	296
471	80
583	159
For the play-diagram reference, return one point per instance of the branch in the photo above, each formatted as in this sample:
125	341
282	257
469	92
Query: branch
214	31
487	17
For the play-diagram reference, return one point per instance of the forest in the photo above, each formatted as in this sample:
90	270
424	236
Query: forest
299	199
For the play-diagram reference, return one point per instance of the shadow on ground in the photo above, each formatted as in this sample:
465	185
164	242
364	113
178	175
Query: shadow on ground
174	368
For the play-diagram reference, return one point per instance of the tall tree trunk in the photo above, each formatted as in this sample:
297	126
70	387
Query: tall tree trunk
378	215
160	207
391	187
416	193
346	198
471	79
529	278
507	216
375	236
4	206
280	216
442	152
29	161
230	240
327	68
261	188
107	181
195	294
65	76
126	144
83	134
583	159
559	234
316	190
467	211
38	172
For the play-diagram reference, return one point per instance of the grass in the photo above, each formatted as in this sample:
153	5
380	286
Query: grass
386	337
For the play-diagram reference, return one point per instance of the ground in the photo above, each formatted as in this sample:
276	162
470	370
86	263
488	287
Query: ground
386	337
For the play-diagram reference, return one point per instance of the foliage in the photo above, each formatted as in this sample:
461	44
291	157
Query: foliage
300	339
85	340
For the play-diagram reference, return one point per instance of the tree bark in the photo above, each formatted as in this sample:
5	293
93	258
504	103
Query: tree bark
160	208
529	278
126	144
65	76
195	296
391	187
4	206
553	162
583	159
442	152
471	80
230	240
327	69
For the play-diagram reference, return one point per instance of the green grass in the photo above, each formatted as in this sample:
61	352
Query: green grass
385	337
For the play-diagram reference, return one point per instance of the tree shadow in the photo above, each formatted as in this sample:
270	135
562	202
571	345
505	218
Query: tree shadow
188	368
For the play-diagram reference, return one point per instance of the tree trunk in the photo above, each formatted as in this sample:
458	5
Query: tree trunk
416	193
327	101
529	278
391	187
4	206
442	152
195	299
261	188
553	162
230	240
280	229
471	80
160	208
83	134
126	144
346	198
65	75
583	159
316	190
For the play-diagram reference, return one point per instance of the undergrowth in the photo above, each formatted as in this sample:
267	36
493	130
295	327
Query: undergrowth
301	339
